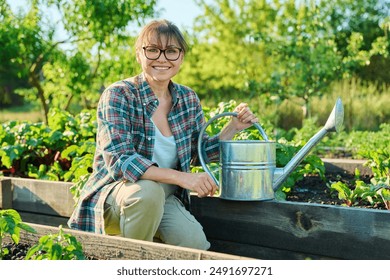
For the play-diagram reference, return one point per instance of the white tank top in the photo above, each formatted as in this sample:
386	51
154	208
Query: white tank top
165	155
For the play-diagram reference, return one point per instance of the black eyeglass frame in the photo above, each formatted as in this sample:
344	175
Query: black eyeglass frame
162	51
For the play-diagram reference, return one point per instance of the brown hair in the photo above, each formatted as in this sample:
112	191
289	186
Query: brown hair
161	28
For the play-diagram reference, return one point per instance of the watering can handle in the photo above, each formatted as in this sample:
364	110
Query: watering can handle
200	139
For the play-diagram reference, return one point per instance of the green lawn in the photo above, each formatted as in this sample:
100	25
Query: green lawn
21	113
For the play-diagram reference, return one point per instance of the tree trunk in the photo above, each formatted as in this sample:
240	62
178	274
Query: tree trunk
34	81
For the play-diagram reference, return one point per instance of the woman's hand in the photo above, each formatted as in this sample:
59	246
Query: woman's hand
201	183
245	118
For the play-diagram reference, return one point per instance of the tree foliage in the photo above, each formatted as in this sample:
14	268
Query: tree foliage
72	69
283	49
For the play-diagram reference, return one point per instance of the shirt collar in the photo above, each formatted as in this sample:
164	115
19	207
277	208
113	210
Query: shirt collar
147	94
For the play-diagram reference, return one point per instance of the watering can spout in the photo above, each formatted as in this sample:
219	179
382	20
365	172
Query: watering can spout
334	123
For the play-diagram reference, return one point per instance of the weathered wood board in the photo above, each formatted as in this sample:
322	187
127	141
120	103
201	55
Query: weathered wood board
37	196
104	247
312	230
346	166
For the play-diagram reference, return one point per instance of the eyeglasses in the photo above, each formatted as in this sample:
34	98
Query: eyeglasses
171	53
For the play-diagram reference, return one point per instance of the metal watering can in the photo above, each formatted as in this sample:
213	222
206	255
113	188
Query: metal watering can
248	168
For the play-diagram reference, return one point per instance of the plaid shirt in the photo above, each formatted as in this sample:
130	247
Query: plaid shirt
125	142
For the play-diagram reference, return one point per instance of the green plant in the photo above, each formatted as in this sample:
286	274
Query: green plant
311	164
11	223
59	151
384	193
379	162
353	197
76	188
378	190
60	246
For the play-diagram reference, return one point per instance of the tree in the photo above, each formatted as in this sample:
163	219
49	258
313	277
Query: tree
280	49
224	58
97	40
20	44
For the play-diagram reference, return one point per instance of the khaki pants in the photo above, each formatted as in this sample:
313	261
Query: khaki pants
144	211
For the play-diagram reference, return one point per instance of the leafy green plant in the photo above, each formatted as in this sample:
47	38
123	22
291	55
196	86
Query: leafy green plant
384	193
311	164
379	162
378	190
59	151
76	188
353	197
11	223
60	246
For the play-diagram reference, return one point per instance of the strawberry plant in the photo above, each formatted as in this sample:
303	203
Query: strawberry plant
60	246
11	223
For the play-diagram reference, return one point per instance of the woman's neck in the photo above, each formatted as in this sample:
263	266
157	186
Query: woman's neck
160	89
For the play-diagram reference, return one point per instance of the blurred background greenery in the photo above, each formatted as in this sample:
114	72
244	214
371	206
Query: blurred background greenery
289	59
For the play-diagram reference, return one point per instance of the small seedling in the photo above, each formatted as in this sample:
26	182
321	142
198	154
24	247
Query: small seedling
11	223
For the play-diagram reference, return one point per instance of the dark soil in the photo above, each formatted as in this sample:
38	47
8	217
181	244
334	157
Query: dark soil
19	251
16	252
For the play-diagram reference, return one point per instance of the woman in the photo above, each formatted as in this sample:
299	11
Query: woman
148	128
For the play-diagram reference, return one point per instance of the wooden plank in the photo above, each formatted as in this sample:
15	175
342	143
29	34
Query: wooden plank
104	247
260	252
42	196
341	166
5	193
47	220
323	230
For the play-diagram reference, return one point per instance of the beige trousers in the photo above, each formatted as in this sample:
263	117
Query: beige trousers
143	211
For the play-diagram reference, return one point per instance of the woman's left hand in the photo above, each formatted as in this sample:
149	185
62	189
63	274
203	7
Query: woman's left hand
245	117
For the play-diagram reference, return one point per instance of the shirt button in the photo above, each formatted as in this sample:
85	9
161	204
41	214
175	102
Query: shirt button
144	104
149	138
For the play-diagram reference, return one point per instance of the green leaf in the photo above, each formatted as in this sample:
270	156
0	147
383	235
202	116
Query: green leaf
26	227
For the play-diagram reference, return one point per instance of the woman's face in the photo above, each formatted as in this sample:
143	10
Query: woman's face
153	59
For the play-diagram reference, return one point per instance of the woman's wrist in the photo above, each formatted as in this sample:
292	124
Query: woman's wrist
228	132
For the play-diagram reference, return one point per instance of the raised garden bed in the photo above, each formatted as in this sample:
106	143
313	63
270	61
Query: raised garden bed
263	230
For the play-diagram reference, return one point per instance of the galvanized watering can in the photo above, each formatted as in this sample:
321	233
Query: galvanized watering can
248	168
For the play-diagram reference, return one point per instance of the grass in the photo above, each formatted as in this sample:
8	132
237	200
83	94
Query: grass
21	113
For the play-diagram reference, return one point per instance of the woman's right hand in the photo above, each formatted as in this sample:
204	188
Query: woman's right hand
201	183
